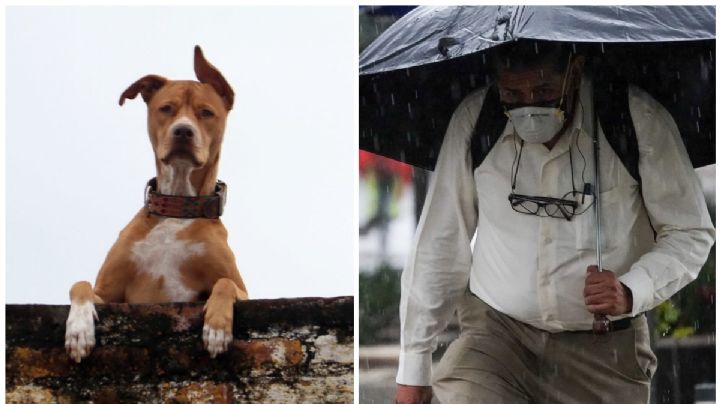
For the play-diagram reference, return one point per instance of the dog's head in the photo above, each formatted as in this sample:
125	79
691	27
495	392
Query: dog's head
186	119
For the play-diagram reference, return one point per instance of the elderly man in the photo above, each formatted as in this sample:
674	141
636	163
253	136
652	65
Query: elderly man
527	292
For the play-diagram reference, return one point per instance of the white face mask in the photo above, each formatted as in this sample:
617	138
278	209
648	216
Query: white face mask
537	124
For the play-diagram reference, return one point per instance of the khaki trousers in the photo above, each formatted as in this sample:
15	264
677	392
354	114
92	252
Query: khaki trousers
498	359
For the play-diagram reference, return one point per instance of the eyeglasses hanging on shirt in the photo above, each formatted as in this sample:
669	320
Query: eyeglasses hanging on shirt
546	206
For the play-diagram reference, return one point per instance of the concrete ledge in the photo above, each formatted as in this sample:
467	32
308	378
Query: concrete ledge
285	350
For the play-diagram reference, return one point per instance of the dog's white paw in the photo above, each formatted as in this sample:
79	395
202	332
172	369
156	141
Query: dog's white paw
216	341
80	330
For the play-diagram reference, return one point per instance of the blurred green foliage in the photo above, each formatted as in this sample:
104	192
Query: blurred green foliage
379	301
692	310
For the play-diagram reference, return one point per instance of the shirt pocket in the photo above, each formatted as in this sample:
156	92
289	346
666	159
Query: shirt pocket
612	216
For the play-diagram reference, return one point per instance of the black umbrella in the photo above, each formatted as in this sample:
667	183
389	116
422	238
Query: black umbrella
413	75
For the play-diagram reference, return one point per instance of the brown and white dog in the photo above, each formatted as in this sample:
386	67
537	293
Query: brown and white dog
159	257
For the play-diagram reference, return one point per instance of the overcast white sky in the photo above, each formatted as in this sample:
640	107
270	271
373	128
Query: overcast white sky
77	162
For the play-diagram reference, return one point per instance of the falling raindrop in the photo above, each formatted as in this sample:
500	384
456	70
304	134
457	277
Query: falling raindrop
537	51
483	58
698	112
417	96
407	72
602	47
697	125
392	99
409	137
574	50
677	73
410	112
644	69
472	81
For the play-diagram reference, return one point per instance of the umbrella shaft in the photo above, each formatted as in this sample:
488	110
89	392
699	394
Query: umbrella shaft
598	222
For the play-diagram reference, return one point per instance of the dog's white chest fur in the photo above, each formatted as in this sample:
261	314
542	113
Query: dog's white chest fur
160	254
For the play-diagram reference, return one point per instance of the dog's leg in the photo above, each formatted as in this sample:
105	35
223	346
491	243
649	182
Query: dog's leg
217	331
80	327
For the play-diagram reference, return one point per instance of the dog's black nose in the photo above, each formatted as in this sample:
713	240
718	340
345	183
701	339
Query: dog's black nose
183	132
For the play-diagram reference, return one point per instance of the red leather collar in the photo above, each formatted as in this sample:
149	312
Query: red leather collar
185	207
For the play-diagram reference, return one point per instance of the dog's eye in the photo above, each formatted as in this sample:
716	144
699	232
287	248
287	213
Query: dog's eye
206	113
166	109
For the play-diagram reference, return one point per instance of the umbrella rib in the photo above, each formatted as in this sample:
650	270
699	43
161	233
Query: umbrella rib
514	21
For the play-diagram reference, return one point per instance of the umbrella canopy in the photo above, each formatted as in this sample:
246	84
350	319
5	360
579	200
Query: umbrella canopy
415	73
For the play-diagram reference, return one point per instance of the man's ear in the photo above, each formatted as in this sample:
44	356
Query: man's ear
146	87
209	74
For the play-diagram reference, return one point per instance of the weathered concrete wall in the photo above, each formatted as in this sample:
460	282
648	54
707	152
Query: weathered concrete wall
285	350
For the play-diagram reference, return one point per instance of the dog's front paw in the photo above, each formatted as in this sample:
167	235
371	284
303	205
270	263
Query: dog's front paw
216	341
217	331
80	330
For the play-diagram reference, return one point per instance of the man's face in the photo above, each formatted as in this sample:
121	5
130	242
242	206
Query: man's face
539	85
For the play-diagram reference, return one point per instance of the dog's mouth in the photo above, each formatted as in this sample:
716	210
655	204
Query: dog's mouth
181	152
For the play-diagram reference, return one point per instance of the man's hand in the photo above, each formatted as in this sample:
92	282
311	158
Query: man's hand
413	394
604	294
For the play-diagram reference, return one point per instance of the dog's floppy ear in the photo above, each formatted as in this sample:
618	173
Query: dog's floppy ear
146	87
209	74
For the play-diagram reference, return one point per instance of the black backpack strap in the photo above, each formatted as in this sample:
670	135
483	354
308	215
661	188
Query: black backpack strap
613	109
612	103
489	126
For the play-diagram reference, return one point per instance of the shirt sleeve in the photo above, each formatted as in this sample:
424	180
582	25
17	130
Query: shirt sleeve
676	206
438	267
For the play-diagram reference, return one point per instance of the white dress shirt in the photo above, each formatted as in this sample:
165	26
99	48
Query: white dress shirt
533	268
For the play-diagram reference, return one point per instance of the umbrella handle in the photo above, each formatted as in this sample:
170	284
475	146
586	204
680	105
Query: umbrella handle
601	324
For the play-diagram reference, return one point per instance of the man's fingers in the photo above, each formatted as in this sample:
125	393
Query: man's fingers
600	308
602	298
600	277
597	288
413	394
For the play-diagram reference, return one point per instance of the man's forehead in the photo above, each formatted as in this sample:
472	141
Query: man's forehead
530	76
